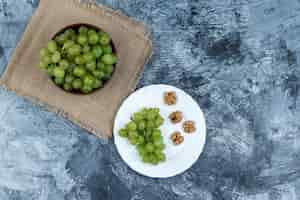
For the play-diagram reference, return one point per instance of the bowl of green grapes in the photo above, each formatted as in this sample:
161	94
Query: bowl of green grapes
79	59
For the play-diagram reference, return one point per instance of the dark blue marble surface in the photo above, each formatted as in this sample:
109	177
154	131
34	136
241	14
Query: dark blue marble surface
238	58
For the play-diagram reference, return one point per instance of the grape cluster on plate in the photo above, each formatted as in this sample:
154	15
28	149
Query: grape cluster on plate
79	59
143	132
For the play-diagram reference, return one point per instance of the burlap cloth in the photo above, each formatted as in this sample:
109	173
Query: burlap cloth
94	112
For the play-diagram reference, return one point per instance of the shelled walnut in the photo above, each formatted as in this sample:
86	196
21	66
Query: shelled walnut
176	117
189	126
170	98
177	138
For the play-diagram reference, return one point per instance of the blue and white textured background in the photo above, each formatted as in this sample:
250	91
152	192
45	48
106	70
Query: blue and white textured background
238	58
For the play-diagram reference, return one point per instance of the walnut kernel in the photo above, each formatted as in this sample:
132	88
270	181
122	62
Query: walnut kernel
189	126
177	138
170	98
176	117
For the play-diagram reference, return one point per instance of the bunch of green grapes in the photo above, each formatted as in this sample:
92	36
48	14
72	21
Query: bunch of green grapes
79	59
143	132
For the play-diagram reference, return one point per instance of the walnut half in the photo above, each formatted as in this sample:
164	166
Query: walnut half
177	138
170	98
189	126
176	117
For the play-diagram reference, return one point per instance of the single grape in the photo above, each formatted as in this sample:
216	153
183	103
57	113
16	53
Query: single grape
97	50
64	64
69	32
79	71
68	44
43	65
47	59
74	50
91	32
159	121
132	134
88	57
107	49
141	139
86	48
101	66
161	156
149	147
123	133
77	84
44	52
56	57
59	81
59	72
83	30
79	60
109	59
93	39
150	124
141	125
69	79
50	70
131	126
82	39
97	84
67	87
98	73
52	46
109	69
88	80
86	89
104	39
91	65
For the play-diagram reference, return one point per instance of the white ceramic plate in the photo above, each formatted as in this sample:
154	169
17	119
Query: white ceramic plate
178	158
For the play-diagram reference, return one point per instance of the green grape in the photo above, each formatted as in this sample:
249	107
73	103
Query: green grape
98	84
68	44
50	70
98	73
91	32
93	39
132	134
161	156
107	49
86	89
74	50
91	65
60	39
86	48
79	71
59	81
141	139
131	126
97	50
52	46
69	79
149	147
64	64
43	65
104	39
150	124
88	57
141	125
56	57
158	143
83	30
44	52
156	133
109	59
123	133
69	32
153	159
67	87
101	66
109	69
151	115
161	146
59	72
77	84
79	60
147	158
159	121
137	117
82	39
133	141
88	80
47	59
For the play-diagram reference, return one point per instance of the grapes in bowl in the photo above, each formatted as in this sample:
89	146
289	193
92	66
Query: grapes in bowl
79	59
